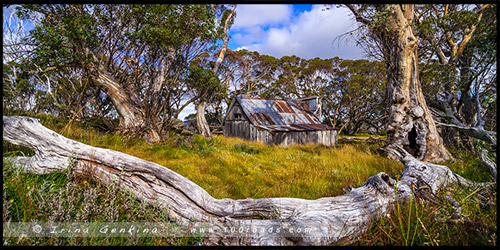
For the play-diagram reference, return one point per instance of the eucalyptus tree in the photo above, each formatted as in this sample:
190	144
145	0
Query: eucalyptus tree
291	76
461	45
265	73
361	97
410	123
320	78
137	55
460	41
245	70
18	92
209	85
206	88
442	34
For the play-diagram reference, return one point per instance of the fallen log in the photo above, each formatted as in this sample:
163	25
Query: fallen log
321	222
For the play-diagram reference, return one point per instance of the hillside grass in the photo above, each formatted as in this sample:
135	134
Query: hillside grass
234	168
226	168
237	169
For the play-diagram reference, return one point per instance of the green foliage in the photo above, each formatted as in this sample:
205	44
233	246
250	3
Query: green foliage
17	91
146	49
57	39
72	28
162	27
383	20
205	83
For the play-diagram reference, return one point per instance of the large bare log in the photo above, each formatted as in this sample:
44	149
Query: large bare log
322	221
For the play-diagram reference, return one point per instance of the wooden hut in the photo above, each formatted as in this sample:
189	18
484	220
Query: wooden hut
282	122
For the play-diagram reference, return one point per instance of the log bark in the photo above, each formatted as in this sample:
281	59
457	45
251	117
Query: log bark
328	219
487	162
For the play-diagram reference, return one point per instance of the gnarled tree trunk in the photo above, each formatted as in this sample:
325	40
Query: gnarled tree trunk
410	124
132	119
267	221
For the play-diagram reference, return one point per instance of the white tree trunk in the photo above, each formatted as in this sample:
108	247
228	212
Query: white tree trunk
201	121
328	219
410	124
132	118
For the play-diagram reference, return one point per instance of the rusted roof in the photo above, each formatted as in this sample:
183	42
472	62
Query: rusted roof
280	115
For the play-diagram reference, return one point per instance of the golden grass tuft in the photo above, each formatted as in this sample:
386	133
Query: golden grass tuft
237	169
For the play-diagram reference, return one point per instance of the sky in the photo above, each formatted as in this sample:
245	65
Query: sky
304	30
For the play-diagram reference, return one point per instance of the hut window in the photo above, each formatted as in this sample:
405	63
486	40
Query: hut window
238	116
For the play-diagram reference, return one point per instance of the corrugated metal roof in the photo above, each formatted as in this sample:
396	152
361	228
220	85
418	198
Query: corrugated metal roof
280	115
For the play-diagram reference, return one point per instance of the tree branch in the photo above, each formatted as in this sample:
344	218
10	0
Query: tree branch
487	162
357	14
477	131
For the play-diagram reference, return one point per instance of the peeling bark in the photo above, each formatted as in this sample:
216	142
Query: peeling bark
329	219
410	124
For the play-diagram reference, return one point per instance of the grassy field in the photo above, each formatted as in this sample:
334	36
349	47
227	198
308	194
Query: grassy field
234	168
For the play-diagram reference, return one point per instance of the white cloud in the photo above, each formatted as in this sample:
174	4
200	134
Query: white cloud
311	34
249	15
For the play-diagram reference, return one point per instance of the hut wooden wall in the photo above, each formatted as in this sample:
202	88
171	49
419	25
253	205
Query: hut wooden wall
324	137
244	129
